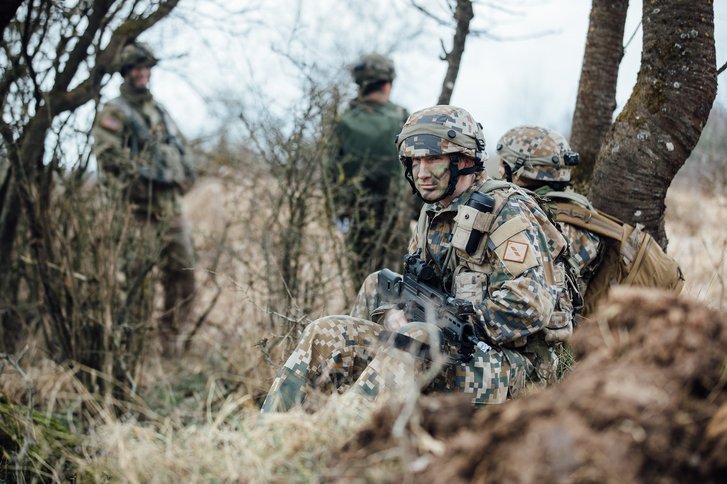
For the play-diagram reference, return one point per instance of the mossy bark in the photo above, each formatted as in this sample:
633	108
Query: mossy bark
597	86
664	117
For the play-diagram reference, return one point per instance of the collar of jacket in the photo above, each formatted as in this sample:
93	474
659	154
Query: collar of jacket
135	96
453	206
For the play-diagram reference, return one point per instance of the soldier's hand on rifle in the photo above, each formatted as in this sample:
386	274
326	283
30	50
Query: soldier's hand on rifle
394	319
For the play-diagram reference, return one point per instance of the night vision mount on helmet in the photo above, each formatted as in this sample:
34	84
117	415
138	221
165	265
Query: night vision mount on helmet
534	155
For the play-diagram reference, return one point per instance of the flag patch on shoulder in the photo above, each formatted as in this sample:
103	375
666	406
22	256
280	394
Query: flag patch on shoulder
515	251
111	123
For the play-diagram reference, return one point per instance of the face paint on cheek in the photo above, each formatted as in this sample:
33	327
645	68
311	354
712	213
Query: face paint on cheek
439	170
434	182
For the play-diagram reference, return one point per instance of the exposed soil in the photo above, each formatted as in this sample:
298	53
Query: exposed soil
646	402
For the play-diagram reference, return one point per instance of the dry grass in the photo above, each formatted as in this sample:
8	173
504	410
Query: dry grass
198	418
234	444
698	241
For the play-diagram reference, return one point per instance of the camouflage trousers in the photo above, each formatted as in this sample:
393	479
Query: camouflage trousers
167	244
344	350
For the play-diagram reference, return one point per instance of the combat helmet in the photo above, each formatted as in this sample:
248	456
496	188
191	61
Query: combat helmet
535	155
136	54
371	68
442	130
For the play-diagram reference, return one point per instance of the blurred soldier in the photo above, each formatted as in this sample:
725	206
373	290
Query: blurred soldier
511	271
603	250
141	152
365	173
540	160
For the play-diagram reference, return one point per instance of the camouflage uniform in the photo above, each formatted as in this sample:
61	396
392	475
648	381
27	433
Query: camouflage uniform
141	155
541	159
517	296
365	172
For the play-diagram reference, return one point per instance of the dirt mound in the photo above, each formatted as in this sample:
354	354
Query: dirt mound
646	402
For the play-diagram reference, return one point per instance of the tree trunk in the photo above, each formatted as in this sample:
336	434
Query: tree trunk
663	119
7	12
463	15
597	87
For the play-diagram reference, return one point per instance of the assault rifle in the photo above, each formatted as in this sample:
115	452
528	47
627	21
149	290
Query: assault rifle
416	293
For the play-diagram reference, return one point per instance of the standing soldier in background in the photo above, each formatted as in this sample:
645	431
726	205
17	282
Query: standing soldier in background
141	154
365	173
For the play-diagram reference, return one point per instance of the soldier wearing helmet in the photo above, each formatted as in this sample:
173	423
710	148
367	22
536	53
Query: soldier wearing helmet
541	160
364	173
142	157
505	258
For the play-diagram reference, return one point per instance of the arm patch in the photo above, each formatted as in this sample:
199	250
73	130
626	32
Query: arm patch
513	247
111	123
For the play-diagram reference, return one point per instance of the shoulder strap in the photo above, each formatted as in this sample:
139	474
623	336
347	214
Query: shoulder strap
422	224
170	128
491	185
574	197
592	220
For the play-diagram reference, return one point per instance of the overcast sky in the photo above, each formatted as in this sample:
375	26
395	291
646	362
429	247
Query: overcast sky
243	49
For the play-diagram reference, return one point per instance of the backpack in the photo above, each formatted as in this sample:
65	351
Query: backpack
630	256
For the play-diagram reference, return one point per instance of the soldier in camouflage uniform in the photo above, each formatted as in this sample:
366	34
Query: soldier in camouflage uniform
514	278
541	160
141	155
364	172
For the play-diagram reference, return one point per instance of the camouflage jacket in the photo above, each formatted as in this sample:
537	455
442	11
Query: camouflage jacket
515	278
585	247
138	144
364	152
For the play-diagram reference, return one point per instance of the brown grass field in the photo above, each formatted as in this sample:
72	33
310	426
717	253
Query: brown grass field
197	415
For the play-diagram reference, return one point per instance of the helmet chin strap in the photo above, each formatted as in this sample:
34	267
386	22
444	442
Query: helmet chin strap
508	172
454	174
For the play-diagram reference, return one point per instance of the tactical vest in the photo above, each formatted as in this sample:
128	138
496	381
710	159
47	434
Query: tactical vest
467	268
366	133
631	256
166	168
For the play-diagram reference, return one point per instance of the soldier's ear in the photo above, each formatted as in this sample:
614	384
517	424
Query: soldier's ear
466	162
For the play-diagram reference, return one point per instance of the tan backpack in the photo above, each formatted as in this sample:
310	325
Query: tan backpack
631	256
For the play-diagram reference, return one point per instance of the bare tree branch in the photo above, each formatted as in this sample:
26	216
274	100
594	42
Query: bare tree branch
7	12
463	16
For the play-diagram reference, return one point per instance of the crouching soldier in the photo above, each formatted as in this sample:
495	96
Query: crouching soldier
483	242
604	251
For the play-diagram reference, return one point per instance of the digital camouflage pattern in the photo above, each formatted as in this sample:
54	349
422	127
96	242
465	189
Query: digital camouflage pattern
333	351
516	299
535	153
585	248
536	157
344	352
441	130
141	156
516	281
515	304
